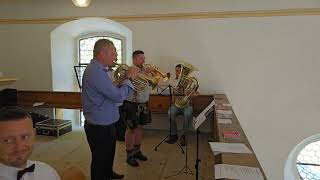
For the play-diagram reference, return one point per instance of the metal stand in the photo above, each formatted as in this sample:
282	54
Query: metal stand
168	136
185	169
197	158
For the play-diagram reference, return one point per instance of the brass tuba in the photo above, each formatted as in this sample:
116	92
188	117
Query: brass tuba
142	80
186	85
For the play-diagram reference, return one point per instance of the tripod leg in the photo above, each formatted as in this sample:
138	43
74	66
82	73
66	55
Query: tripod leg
180	147
156	148
185	169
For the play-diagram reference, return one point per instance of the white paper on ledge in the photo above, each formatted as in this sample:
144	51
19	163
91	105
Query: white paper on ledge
237	172
230	147
224	121
224	111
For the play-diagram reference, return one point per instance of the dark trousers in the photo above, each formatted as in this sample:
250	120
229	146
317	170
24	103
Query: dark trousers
121	126
102	142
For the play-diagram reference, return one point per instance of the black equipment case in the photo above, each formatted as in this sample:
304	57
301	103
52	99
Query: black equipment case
53	127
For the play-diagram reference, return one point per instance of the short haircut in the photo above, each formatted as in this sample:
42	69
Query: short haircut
137	52
178	66
12	113
99	45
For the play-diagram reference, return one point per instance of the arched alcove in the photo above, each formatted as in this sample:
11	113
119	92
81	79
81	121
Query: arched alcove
65	51
64	47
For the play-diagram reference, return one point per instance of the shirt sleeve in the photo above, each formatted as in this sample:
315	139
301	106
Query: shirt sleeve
104	85
128	83
47	171
57	177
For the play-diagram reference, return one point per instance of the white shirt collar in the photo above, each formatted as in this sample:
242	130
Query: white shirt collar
12	171
42	171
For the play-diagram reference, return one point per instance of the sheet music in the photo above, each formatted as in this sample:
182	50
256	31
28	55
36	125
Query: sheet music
229	148
224	121
202	116
38	104
163	90
237	172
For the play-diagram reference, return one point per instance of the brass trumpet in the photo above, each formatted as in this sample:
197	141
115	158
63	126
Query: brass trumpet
142	80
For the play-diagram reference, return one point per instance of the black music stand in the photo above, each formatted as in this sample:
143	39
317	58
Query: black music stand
185	169
79	69
169	135
201	118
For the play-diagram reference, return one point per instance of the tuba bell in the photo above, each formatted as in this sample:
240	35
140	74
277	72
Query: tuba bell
186	85
143	80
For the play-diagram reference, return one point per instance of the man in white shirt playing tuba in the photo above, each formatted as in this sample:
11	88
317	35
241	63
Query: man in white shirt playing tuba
181	102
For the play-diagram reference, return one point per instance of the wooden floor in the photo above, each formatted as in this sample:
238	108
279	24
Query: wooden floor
72	149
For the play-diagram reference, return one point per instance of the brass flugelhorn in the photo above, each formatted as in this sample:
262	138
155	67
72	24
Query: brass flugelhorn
157	72
142	80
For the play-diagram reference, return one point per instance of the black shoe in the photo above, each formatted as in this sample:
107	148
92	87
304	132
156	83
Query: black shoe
115	175
140	156
183	140
132	161
172	139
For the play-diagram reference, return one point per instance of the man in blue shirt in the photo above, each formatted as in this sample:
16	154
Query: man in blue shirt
99	99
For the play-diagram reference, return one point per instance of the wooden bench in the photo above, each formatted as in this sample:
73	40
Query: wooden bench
72	100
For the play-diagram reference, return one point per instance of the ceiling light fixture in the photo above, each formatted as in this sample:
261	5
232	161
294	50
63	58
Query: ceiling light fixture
81	3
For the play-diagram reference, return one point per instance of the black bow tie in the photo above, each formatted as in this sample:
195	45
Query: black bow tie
22	172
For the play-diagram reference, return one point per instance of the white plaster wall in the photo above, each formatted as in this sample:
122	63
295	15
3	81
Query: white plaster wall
63	8
268	67
25	54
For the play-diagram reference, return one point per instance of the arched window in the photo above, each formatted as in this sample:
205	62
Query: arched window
303	161
308	162
85	51
86	48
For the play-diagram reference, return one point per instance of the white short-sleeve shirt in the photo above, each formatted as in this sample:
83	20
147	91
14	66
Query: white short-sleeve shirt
42	171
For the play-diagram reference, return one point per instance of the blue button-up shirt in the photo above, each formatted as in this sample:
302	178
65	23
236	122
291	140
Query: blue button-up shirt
100	96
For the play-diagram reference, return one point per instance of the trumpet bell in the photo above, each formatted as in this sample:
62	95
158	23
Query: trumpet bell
142	80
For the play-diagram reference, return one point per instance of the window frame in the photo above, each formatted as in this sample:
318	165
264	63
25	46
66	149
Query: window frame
106	34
